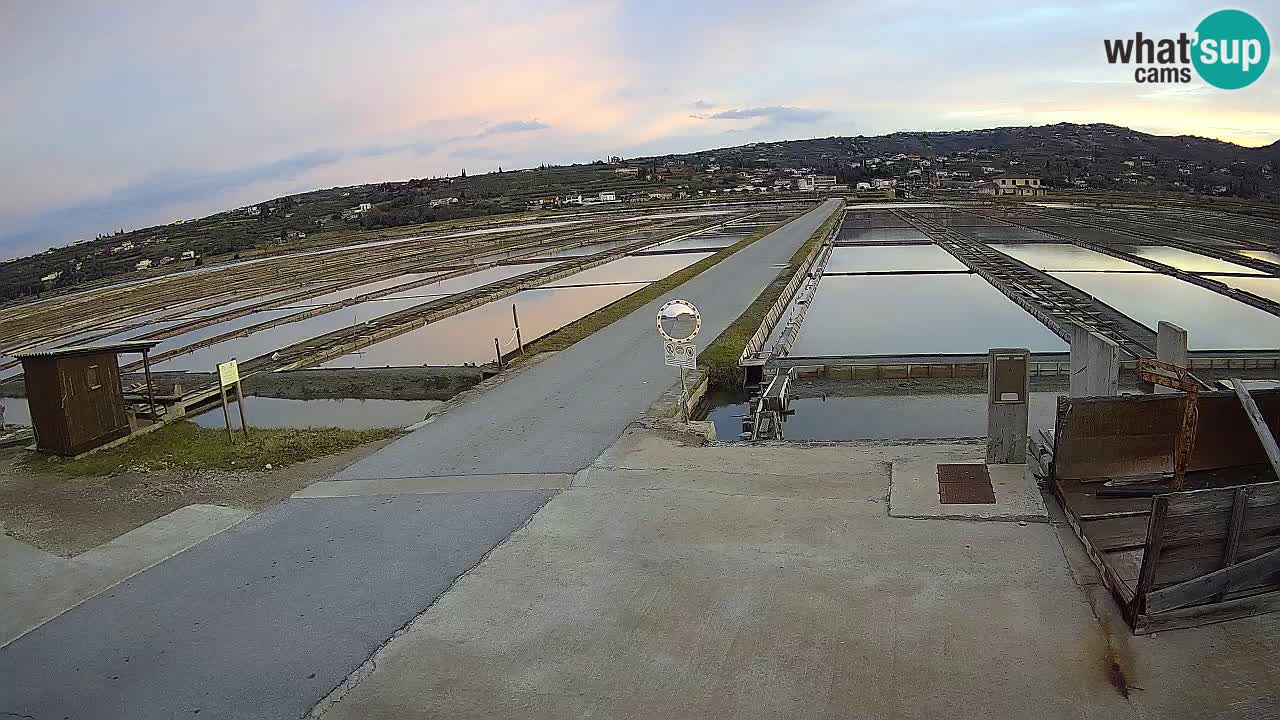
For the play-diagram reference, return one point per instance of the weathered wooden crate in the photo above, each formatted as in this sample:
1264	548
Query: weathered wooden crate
1177	559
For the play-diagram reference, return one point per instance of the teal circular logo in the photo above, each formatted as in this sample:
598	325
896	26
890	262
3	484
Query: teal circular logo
1232	49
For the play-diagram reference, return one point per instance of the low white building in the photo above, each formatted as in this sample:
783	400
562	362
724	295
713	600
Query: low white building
1016	185
142	265
189	255
438	202
605	196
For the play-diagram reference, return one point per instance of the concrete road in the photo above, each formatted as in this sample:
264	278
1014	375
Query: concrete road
265	619
558	416
260	621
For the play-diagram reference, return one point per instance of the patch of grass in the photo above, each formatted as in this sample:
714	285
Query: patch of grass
605	316
720	358
185	445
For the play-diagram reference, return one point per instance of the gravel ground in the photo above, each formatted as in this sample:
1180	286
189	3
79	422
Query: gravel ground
68	515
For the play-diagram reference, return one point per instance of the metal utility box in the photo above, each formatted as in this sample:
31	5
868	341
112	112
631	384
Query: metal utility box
76	399
1009	386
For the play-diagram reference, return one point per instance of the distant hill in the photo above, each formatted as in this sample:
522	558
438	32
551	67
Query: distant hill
1065	156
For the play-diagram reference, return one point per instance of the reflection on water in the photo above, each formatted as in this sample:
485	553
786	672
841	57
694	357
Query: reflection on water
468	337
249	346
892	258
352	414
1269	256
16	411
201	334
632	269
264	341
916	314
880	234
1063	256
1267	287
882	417
1188	261
1212	321
698	242
338	296
582	250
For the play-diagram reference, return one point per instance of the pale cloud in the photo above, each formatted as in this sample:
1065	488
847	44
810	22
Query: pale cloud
777	114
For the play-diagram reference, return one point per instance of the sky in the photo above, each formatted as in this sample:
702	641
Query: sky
130	114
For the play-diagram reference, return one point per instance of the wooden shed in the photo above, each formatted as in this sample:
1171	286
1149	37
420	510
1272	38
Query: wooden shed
75	395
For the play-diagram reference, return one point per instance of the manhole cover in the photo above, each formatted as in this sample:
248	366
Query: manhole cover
965	484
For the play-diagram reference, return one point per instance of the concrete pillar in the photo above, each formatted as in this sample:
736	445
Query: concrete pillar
1171	347
1008	398
1095	364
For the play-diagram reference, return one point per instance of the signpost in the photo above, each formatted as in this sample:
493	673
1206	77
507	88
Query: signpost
229	377
679	323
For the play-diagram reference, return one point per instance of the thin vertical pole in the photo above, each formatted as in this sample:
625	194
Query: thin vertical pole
684	398
244	424
516	319
151	396
497	350
226	414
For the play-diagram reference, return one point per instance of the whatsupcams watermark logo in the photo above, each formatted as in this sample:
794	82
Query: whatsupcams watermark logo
1229	50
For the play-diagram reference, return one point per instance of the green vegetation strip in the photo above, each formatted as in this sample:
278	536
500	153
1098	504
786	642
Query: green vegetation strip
605	316
185	445
720	359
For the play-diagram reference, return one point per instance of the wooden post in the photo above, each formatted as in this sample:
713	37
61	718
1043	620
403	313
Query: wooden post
244	424
151	396
226	414
1151	554
497	350
516	319
1239	503
1259	425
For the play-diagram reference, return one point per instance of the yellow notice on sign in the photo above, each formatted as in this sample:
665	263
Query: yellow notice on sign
228	373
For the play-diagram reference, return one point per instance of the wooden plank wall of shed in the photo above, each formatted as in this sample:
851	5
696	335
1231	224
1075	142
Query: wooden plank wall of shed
1097	438
95	413
44	398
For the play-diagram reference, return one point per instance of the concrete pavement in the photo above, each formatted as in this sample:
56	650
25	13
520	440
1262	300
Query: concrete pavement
764	582
559	415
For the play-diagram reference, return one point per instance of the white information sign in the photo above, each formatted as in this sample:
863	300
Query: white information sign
228	373
680	354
